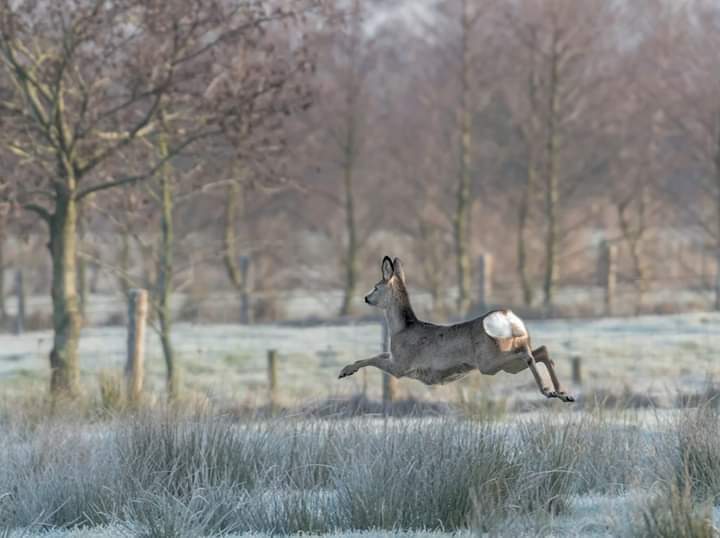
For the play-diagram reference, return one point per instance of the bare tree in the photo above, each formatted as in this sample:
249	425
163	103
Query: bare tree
237	268
685	86
564	43
461	220
88	84
453	72
349	141
635	185
334	140
415	155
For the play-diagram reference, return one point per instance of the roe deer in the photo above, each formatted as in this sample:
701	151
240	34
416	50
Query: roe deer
437	354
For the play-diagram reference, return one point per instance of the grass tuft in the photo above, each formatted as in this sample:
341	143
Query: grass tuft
179	472
675	514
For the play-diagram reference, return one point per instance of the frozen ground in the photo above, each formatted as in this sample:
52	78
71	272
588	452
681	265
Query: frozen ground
657	356
121	475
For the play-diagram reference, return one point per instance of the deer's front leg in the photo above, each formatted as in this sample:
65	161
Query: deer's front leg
383	361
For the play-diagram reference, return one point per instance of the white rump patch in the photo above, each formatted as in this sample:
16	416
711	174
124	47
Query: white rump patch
504	324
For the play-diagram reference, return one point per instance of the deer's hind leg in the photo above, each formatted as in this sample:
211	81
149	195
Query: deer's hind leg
382	361
522	357
545	390
515	362
511	362
541	355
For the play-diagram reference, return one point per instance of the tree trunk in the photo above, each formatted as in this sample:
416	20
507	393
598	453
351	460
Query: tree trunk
20	298
461	219
717	251
81	261
550	244
237	272
149	264
531	133
64	365
351	254
350	151
717	278
634	238
551	187
230	252
523	220
460	227
3	307
124	262
432	260
638	254
717	214
165	272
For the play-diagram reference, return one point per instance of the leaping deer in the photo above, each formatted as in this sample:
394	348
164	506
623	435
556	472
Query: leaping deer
438	354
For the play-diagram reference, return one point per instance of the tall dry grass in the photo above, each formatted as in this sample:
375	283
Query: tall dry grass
188	473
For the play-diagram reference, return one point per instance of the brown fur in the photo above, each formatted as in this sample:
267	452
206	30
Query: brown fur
437	354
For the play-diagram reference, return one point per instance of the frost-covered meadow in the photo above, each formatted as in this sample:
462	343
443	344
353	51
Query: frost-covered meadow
652	357
592	473
638	455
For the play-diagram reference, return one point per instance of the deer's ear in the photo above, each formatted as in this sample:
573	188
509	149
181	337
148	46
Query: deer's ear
398	269
387	268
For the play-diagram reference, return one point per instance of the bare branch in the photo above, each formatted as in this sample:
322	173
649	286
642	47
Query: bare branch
38	210
129	180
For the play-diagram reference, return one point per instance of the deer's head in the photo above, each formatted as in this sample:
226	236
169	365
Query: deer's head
391	287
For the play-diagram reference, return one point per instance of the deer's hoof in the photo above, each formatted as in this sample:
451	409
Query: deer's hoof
566	397
347	371
550	393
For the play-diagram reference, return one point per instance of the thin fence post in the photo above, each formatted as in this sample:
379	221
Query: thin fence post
608	275
272	376
576	370
485	276
20	295
389	382
135	365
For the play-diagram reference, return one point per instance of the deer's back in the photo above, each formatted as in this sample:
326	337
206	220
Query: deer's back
442	347
442	353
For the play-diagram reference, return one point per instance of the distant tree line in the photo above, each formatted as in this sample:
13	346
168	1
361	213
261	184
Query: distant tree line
290	144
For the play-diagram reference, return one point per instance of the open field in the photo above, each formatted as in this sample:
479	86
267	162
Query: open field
646	466
655	357
596	473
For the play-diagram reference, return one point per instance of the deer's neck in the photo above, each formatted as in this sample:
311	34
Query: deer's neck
400	314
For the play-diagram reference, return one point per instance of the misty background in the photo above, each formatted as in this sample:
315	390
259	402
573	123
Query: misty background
251	162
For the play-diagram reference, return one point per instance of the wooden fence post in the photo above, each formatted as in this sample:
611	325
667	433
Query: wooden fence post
20	295
135	365
272	376
607	269
485	275
389	382
576	370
